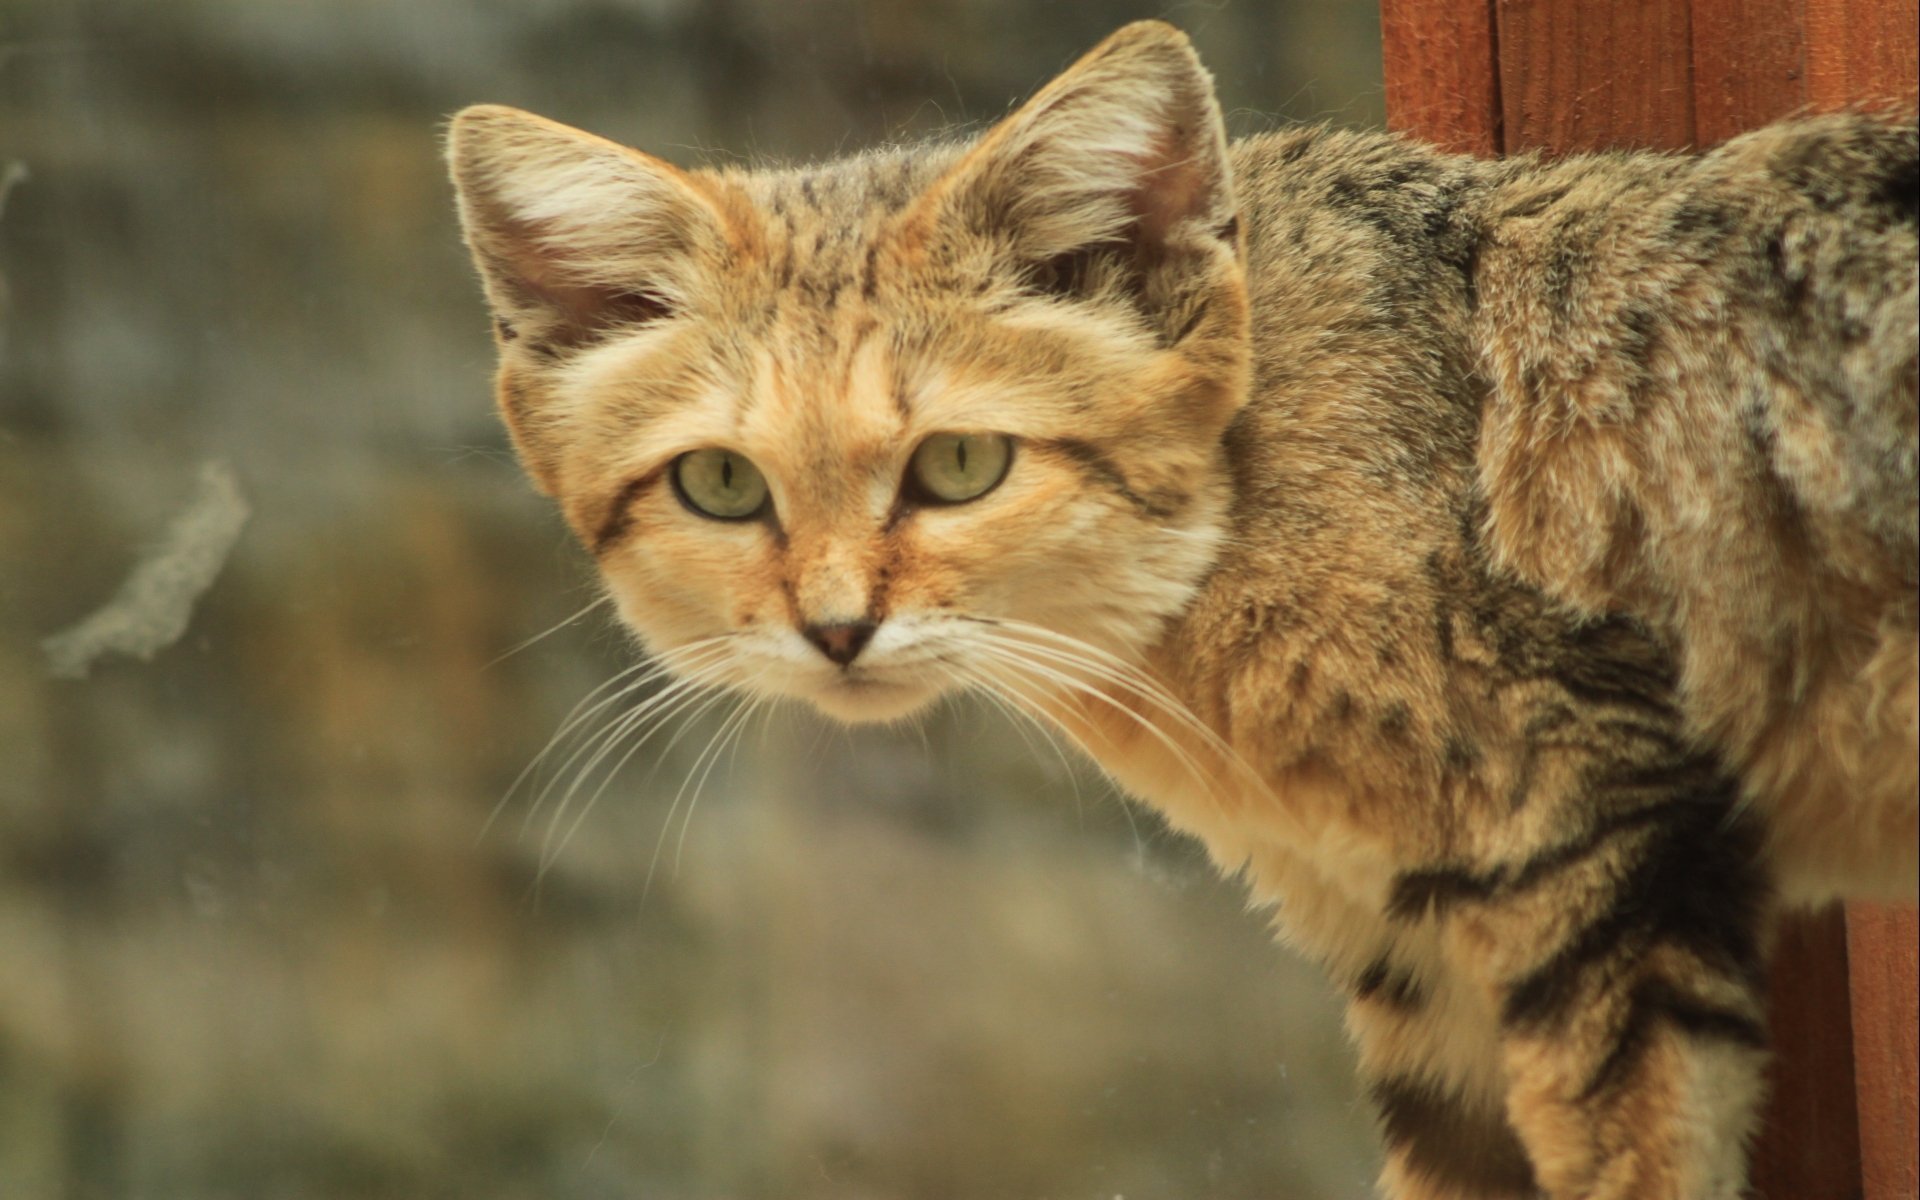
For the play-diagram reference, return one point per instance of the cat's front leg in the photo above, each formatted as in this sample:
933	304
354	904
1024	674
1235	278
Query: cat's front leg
1625	970
1430	1060
1652	1093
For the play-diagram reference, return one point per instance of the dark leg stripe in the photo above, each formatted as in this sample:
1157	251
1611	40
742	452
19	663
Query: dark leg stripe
1696	885
1595	684
1443	1139
1656	1002
1693	779
1545	995
1385	984
1688	793
1416	893
1553	861
1617	661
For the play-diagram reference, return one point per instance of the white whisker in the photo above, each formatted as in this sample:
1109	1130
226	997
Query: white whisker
1021	719
699	695
729	733
549	632
666	823
1035	712
1026	660
1148	689
568	723
586	709
688	666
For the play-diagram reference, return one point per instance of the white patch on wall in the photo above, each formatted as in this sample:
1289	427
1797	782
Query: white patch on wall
151	610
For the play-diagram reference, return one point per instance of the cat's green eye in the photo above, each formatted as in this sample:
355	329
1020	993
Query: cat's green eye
952	468
720	483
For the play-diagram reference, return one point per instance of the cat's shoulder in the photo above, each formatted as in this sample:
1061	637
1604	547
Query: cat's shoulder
1353	172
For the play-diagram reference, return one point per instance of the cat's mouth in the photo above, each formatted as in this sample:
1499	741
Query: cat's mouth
861	697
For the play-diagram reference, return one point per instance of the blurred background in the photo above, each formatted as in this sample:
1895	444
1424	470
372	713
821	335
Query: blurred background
258	938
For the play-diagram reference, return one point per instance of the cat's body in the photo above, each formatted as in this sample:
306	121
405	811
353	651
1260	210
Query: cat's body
1510	566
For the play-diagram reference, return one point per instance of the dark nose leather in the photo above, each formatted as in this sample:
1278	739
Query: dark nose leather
841	643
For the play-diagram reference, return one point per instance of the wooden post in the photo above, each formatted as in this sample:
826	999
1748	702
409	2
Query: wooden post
1443	81
1809	1148
1497	76
1883	944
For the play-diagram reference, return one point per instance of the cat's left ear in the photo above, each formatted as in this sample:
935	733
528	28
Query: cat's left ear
574	235
1125	150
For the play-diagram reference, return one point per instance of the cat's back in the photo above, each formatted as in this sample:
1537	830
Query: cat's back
1679	388
1703	413
1772	279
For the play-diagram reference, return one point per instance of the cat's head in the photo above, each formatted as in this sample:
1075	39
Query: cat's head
867	432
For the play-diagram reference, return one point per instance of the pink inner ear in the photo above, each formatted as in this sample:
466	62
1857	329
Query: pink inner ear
636	307
569	312
581	313
1176	185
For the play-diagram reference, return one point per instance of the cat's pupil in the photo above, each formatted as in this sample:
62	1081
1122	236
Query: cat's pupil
726	473
960	455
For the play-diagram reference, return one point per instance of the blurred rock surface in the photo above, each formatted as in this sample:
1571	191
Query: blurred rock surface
252	940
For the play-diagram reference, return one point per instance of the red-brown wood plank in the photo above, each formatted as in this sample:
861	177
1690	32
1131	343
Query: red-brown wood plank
1861	51
1883	943
1749	64
1442	86
1581	76
1809	1147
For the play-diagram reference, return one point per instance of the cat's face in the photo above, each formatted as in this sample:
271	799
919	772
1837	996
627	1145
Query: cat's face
867	433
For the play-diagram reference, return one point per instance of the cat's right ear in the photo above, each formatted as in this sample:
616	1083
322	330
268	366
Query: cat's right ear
1124	154
574	235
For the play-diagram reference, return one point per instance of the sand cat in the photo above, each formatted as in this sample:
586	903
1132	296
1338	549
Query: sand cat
1510	567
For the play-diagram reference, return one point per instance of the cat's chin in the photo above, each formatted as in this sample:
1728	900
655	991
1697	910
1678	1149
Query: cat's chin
872	702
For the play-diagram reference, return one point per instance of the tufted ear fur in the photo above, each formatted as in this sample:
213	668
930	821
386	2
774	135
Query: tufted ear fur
575	235
1123	157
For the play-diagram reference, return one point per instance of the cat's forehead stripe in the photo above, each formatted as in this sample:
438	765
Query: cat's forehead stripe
879	183
823	220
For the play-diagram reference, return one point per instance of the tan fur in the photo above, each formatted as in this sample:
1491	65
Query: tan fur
1509	567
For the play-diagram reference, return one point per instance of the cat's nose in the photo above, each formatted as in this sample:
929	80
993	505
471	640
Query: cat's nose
842	642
